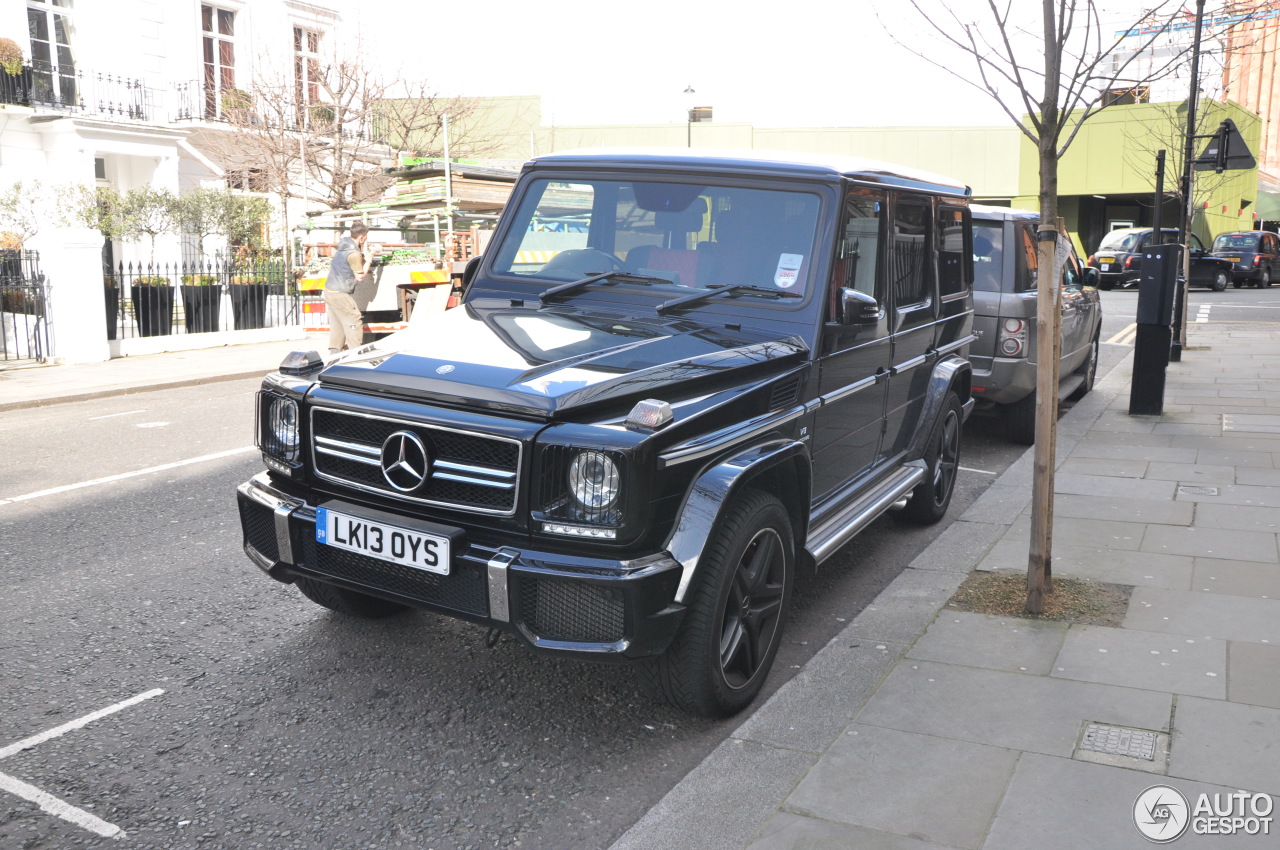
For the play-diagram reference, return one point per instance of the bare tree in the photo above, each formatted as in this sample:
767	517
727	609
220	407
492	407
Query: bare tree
327	132
1049	83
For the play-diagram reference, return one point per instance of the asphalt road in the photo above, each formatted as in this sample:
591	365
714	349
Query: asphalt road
278	724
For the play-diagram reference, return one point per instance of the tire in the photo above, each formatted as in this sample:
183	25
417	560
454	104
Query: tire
1020	421
718	662
1219	281
347	601
1089	369
931	498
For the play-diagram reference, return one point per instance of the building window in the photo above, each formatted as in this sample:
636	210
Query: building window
53	68
218	28
1127	96
306	71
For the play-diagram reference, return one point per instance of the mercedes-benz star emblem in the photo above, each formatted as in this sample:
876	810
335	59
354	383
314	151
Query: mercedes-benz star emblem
405	463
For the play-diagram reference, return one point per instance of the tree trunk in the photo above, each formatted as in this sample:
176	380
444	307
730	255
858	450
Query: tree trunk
1048	324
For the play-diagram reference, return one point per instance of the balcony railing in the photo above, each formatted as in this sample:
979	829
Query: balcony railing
197	100
81	91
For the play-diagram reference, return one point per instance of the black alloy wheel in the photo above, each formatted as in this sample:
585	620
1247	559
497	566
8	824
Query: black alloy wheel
718	662
931	498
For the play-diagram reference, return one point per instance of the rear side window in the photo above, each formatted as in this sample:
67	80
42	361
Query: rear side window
953	269
910	264
988	255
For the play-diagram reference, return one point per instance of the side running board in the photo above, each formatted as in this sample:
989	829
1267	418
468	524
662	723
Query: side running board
833	532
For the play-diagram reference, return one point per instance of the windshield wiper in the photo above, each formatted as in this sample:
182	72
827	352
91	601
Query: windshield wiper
734	288
611	277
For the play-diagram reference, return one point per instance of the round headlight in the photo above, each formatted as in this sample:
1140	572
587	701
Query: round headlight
594	479
283	421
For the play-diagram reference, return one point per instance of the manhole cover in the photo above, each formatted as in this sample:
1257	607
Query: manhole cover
1120	741
1193	490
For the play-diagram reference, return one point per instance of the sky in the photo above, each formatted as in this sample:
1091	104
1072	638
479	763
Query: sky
788	63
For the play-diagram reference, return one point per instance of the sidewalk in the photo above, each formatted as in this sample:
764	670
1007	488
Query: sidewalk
37	386
924	727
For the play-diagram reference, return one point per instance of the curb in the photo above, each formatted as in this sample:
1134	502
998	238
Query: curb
787	736
128	390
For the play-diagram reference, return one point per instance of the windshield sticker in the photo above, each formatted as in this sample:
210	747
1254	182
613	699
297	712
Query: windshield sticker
788	272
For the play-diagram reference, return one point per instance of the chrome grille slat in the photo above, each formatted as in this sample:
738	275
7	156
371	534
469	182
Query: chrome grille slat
474	471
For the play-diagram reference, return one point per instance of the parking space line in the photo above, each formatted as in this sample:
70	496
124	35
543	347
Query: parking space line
59	808
46	801
979	471
112	415
28	743
53	491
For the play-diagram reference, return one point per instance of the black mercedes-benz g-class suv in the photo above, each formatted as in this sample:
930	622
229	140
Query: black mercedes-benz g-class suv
675	380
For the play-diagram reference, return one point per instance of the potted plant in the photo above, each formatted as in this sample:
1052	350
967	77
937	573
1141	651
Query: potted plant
201	302
15	83
153	305
249	300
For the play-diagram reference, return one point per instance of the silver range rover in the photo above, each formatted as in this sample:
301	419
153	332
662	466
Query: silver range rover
1004	318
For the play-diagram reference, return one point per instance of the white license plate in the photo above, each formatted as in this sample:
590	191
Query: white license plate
1106	267
385	542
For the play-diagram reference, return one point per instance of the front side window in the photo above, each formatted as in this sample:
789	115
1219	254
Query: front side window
218	30
988	255
682	236
53	69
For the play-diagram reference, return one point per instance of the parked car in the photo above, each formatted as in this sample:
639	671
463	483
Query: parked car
1254	255
675	380
1119	259
1004	321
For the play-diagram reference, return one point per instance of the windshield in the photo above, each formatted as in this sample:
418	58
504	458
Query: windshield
682	237
1236	242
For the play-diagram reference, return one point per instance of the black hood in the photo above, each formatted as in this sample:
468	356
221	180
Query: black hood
545	362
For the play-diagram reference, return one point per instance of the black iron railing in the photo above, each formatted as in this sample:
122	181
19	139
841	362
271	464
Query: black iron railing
196	99
200	297
79	90
24	326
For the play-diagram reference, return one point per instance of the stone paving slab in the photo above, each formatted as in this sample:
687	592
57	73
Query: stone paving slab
874	765
1015	710
1232	545
1099	533
786	831
1116	566
1092	449
1061	804
1236	494
905	608
721	803
1228	744
997	643
1148	660
840	678
1104	466
1229	457
1100	485
1258	477
958	548
1134	510
1204	615
1239	517
1254	676
1191	473
1117	438
1237	578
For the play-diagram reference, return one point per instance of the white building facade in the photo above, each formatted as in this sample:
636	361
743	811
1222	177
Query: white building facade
130	93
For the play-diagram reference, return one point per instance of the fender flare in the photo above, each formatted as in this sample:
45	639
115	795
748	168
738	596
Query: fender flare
949	373
713	489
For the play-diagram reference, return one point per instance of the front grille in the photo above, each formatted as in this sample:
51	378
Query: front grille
472	471
464	589
259	525
571	611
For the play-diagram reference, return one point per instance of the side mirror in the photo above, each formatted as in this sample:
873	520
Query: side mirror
469	273
1092	277
858	308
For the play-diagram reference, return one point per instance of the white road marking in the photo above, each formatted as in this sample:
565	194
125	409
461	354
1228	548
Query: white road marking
1203	316
50	803
151	424
59	808
110	415
28	743
979	471
53	491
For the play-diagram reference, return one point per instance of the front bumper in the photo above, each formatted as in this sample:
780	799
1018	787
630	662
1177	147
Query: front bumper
585	607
